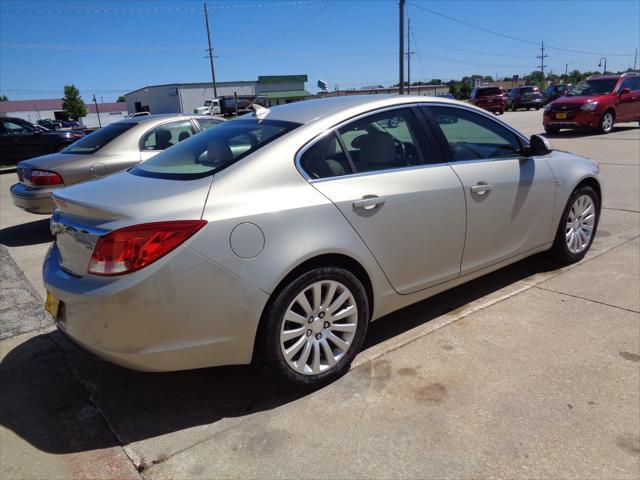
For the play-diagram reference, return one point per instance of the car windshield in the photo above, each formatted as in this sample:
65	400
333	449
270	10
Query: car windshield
483	92
594	87
98	139
213	150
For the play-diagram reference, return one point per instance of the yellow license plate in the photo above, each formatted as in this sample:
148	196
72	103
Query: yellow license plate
561	115
51	305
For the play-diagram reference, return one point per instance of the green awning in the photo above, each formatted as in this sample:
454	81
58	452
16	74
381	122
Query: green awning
285	94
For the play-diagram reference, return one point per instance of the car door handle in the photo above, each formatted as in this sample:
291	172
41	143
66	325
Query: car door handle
368	202
481	188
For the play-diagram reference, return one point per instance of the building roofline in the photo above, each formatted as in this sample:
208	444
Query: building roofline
178	85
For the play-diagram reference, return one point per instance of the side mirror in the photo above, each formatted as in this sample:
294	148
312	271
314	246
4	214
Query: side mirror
538	145
624	91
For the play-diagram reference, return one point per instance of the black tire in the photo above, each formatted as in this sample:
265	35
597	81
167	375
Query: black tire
560	251
537	108
606	127
269	357
551	130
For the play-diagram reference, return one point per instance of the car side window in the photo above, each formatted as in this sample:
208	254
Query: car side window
325	159
383	141
14	128
167	135
632	83
472	136
207	123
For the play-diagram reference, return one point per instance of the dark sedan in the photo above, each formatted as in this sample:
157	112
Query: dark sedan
20	140
524	97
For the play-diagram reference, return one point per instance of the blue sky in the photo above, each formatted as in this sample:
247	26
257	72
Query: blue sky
111	47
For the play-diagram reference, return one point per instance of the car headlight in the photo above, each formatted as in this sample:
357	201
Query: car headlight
587	107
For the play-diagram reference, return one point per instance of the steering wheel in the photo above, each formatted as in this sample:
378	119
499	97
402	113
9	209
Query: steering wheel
403	151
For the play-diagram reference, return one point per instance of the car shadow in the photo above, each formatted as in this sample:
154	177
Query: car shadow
57	397
32	233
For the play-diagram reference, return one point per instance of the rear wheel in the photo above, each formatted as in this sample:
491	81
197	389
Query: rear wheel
606	122
578	226
313	328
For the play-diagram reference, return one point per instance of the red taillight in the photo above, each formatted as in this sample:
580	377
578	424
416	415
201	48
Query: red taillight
43	178
132	248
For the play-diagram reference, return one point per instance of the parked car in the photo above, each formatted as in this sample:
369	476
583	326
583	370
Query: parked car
554	92
524	97
489	98
138	114
110	149
70	124
596	103
277	237
20	140
50	124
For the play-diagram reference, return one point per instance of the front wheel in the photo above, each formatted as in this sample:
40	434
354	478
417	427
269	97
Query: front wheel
313	328
578	226
606	122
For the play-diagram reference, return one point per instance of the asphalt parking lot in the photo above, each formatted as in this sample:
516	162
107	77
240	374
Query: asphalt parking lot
532	371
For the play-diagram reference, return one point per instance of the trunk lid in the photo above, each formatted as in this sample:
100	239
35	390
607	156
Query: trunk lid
86	211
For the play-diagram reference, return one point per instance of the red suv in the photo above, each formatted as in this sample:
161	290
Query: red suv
598	103
489	98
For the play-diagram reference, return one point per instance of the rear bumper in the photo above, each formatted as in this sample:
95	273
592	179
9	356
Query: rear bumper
528	103
33	200
179	313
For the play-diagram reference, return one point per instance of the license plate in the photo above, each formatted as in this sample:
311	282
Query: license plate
561	115
51	305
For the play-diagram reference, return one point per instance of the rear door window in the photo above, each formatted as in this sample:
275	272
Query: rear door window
167	135
325	159
384	141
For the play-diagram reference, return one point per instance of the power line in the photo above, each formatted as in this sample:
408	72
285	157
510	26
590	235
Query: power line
219	6
510	37
542	56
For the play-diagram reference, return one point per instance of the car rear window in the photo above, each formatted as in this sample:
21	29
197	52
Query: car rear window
483	92
98	139
212	150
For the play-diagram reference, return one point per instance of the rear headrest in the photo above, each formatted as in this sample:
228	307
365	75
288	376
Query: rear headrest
183	135
163	136
219	152
377	148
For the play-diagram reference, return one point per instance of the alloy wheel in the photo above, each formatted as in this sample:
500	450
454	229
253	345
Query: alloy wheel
319	327
580	223
607	122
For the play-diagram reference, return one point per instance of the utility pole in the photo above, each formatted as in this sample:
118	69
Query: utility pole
635	59
566	69
97	111
542	56
401	57
210	51
409	53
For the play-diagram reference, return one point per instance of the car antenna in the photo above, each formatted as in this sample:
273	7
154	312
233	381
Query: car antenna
259	111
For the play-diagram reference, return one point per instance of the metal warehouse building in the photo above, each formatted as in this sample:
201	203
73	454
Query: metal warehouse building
185	97
34	110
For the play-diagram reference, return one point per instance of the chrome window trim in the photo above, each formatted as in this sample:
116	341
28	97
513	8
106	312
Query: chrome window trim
334	129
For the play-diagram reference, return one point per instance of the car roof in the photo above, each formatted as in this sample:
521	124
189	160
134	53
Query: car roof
309	110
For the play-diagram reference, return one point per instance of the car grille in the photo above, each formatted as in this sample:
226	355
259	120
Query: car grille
564	107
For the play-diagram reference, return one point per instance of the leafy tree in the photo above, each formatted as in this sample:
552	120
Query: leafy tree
72	102
453	90
121	99
487	78
4	98
464	91
435	81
